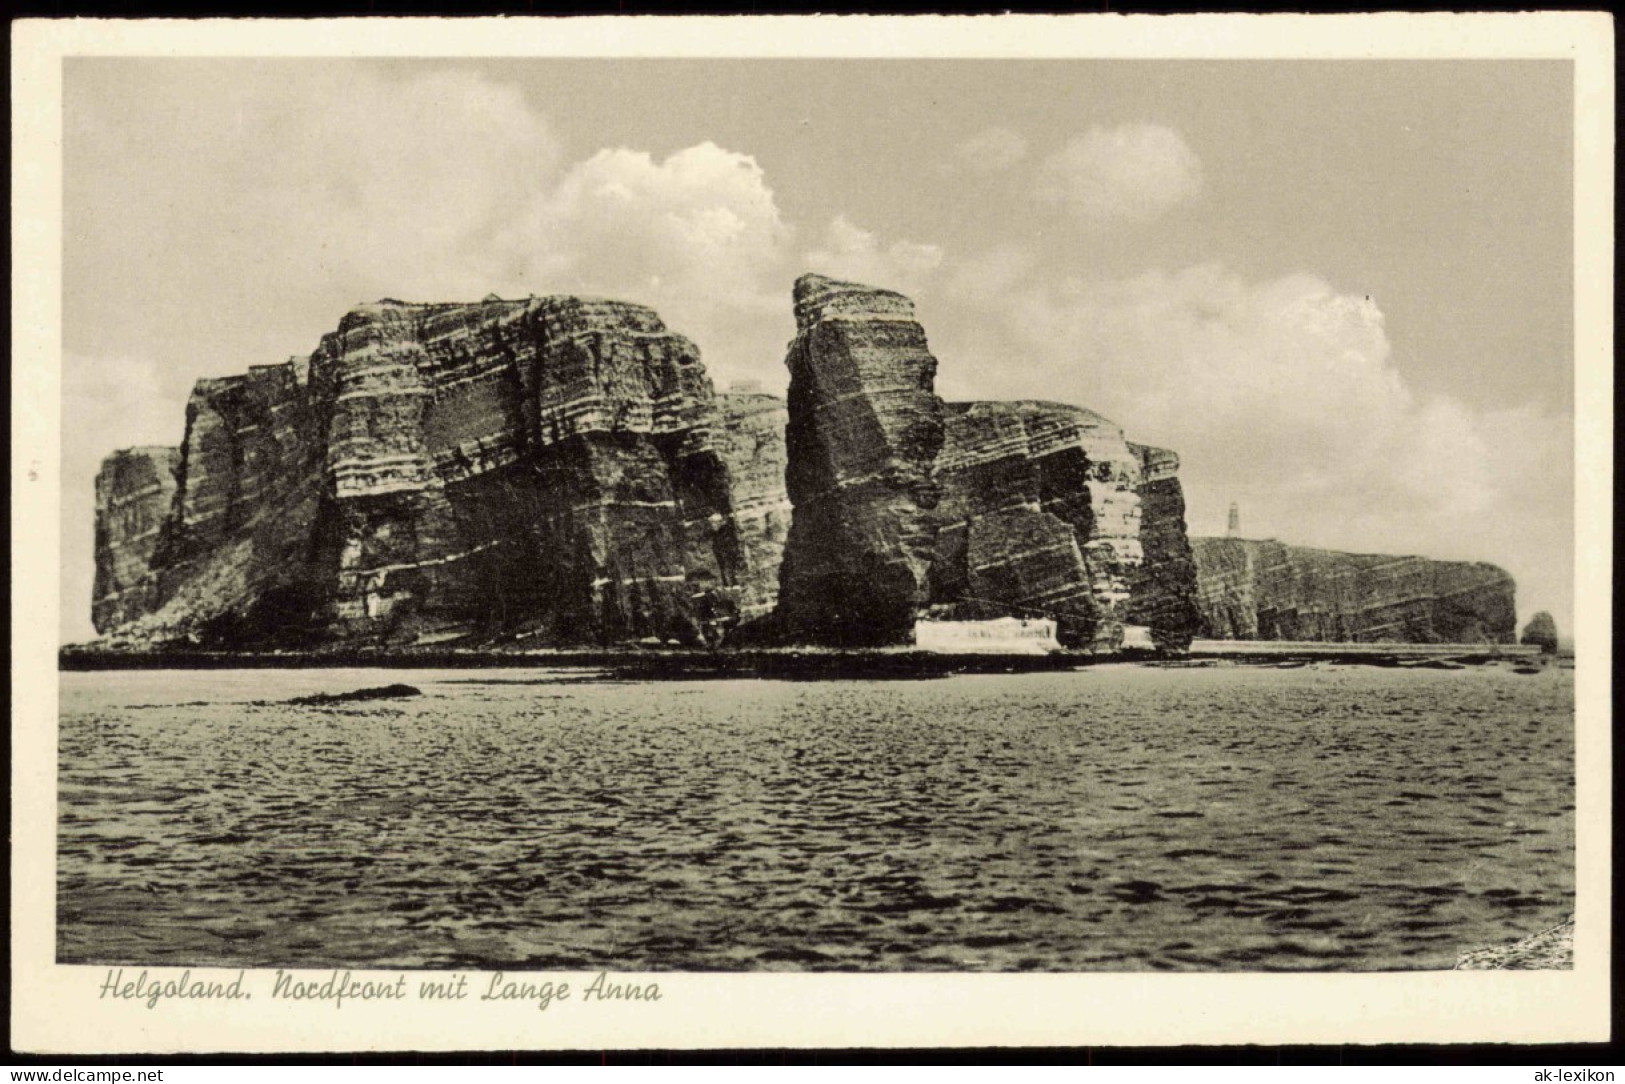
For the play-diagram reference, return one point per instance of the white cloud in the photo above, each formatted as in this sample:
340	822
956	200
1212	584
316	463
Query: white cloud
1132	173
992	150
280	194
703	220
851	252
698	236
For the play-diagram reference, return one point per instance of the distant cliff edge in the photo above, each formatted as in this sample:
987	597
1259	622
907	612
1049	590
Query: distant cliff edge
1266	590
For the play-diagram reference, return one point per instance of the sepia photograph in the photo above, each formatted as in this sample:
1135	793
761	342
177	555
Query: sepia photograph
620	518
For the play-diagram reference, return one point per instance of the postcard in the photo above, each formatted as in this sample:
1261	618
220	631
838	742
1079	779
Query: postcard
811	532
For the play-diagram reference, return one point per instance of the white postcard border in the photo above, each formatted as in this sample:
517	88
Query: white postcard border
57	1008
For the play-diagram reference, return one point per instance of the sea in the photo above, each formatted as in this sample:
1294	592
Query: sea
1218	817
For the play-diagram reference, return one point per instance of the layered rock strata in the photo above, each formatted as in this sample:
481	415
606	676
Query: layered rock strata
541	470
1040	516
864	431
238	554
905	505
750	439
558	471
1265	590
134	491
1162	590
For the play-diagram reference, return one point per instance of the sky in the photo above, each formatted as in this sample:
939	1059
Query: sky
1341	290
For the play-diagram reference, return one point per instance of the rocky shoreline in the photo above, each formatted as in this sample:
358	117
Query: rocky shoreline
649	663
1548	950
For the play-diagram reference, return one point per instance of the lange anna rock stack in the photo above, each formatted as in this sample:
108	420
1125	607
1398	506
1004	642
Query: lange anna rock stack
864	431
906	506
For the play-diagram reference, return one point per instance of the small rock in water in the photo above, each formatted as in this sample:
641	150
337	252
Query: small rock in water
381	692
1541	632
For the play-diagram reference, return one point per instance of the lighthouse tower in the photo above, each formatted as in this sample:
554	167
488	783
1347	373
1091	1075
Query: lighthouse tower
1234	529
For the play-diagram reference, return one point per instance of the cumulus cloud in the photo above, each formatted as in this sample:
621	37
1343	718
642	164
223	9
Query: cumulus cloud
1132	173
227	214
697	235
287	193
701	220
851	252
992	150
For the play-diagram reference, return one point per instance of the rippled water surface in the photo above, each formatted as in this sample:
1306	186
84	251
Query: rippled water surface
1115	818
